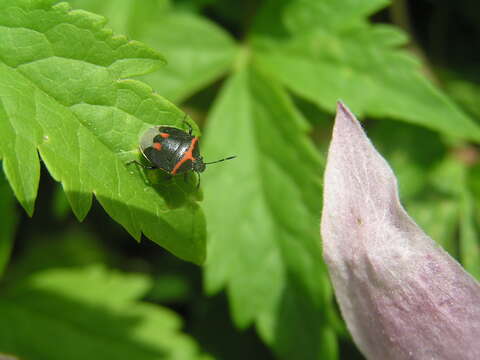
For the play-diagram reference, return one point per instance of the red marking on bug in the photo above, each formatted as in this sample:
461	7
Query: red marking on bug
188	156
157	146
164	135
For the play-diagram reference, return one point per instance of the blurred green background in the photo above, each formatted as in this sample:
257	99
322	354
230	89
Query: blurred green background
206	44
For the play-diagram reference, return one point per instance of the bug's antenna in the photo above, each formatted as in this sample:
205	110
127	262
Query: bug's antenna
217	161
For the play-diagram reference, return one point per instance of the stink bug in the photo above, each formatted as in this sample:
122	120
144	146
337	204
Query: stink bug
173	150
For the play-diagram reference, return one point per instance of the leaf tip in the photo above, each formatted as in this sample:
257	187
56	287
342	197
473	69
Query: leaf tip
29	208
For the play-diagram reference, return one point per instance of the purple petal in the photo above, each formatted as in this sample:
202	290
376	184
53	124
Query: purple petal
402	296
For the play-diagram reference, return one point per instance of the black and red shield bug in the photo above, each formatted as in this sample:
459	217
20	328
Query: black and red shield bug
173	150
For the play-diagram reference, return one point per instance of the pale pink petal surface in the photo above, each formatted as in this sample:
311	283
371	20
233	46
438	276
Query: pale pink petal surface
402	296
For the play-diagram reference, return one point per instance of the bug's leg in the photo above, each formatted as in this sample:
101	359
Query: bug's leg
190	129
139	163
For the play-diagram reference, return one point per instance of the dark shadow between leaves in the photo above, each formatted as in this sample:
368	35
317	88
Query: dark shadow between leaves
182	233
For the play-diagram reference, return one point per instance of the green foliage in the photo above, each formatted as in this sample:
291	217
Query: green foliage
343	57
276	257
66	99
194	61
211	52
51	316
70	249
451	178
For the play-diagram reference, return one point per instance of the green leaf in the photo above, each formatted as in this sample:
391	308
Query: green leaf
264	244
438	216
356	62
63	94
400	143
438	209
170	288
451	214
471	248
469	243
465	93
193	61
95	313
72	248
299	16
126	16
8	216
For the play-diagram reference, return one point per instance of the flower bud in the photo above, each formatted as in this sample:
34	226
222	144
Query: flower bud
401	295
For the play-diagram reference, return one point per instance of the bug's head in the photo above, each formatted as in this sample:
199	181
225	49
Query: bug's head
198	165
